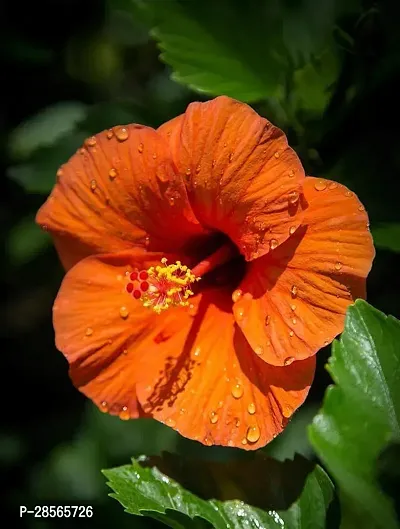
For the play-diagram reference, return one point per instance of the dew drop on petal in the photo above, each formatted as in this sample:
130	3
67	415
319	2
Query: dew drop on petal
277	154
291	173
294	321
348	194
291	333
289	360
89	331
293	291
123	312
121	133
91	142
170	422
244	441
236	295
253	434
332	185
110	134
124	413
207	441
240	314
104	406
259	350
273	243
361	208
237	391
293	197
112	173
251	408
293	307
93	185
188	171
286	412
292	229
140	148
213	417
320	185
59	173
267	319
338	265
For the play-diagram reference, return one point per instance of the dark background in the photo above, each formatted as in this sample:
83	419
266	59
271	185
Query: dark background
53	442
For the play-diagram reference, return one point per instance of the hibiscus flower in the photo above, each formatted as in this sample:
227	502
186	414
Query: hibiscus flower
204	271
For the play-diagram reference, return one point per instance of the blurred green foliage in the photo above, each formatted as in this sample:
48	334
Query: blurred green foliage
326	72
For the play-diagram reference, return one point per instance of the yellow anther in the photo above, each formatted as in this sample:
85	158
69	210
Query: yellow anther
168	286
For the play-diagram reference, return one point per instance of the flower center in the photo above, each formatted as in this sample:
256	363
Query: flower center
170	285
161	287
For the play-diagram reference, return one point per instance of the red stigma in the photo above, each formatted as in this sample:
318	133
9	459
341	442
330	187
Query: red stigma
129	287
137	294
144	286
134	276
143	275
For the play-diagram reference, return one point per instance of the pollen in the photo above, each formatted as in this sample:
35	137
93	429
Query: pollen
164	286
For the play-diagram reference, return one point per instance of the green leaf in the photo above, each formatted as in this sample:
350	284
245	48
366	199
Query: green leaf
295	494
361	414
39	175
46	128
25	241
387	236
222	47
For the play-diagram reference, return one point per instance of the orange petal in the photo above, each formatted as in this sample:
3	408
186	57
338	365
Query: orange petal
97	324
191	369
205	381
294	300
120	190
242	177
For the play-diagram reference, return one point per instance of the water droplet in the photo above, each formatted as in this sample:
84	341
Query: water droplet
293	291
273	243
104	406
293	307
121	133
286	412
123	312
332	185
207	441
188	171
213	417
237	391
170	422
291	173
289	360
171	201
291	333
140	148
93	185
125	352
253	434
361	208
293	197
59	173
292	229
124	413
112	173
110	134
277	154
91	142
197	351
251	408
147	240
182	411
240	314
213	164
220	404
267	319
338	265
89	331
82	151
236	295
259	350
294	321
244	441
231	157
320	185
